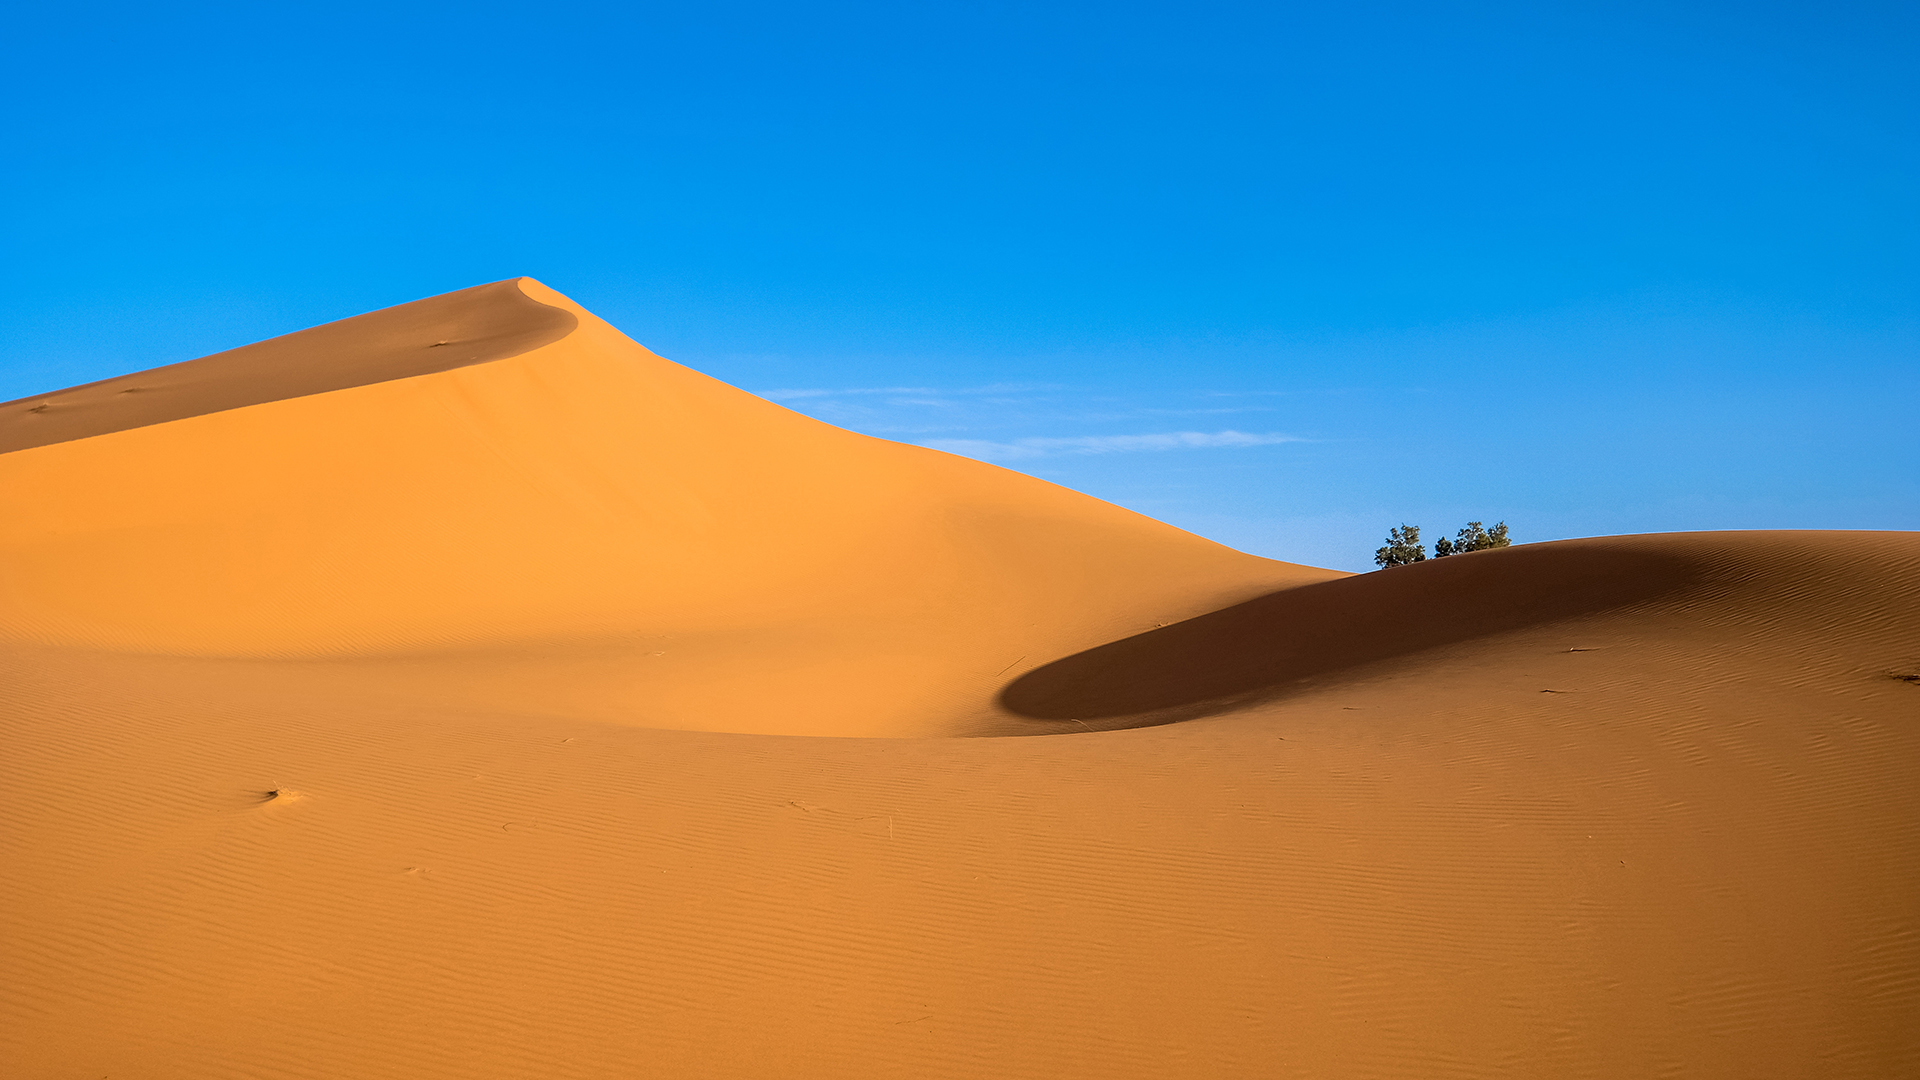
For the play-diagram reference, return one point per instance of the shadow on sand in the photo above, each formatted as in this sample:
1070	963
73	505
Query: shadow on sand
1264	647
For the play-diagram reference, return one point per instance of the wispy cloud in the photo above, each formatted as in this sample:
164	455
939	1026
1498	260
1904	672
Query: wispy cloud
801	394
1205	412
1107	444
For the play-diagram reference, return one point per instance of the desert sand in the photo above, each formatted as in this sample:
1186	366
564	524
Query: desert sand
441	692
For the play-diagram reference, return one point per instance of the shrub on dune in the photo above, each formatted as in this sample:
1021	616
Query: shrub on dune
1472	538
1403	544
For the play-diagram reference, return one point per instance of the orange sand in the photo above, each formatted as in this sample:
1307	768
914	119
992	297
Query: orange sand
519	629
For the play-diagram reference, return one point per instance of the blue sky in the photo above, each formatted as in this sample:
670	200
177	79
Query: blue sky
1283	275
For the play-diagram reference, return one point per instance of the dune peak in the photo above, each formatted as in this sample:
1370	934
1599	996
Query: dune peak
470	326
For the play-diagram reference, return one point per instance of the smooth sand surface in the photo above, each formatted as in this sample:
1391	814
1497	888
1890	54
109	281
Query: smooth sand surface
451	724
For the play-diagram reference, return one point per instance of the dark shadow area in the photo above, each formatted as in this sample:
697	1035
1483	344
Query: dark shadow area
440	333
1262	648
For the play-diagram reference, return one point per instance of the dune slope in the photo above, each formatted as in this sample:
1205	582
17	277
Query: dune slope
324	761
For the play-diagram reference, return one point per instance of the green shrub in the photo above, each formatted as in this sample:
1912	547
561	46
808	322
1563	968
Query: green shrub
1403	544
1403	547
1472	538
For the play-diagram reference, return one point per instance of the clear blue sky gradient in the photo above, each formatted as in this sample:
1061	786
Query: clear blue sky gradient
1281	275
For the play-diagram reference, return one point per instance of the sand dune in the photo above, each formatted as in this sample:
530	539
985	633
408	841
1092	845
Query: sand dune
582	528
374	710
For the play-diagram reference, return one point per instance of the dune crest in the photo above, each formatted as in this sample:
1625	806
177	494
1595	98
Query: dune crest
471	326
